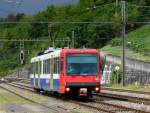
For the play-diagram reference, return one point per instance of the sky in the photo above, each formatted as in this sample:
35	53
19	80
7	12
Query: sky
29	7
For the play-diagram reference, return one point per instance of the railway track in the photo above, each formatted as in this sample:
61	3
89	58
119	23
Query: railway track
108	107
138	100
93	104
125	90
133	99
59	109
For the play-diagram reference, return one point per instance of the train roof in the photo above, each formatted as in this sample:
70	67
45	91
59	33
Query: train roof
84	50
57	52
46	56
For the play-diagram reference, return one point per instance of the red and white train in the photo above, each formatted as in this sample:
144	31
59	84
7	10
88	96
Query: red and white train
67	71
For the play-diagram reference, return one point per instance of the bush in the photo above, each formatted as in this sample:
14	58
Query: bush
116	76
116	42
2	74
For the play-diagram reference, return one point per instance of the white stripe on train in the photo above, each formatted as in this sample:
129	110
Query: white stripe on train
45	76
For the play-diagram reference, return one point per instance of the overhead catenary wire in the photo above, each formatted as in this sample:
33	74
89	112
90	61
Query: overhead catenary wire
32	40
57	22
139	6
39	40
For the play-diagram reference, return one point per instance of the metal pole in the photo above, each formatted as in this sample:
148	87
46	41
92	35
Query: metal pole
123	22
20	61
73	39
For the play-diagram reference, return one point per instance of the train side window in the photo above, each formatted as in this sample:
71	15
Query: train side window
37	67
55	67
34	68
40	67
58	65
48	66
44	67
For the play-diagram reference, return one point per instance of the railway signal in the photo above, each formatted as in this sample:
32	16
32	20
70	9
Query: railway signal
22	56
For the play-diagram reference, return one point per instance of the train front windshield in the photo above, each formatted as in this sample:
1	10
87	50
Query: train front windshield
82	64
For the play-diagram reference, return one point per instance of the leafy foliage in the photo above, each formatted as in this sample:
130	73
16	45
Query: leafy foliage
116	76
137	40
88	35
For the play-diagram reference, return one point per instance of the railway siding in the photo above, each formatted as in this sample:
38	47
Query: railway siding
128	94
128	99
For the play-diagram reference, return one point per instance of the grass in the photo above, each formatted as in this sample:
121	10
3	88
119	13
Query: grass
128	53
9	98
137	45
136	87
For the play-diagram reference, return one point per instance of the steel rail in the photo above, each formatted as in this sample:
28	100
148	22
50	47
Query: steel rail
125	90
125	98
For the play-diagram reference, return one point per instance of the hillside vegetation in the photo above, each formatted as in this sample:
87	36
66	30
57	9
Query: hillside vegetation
137	44
88	35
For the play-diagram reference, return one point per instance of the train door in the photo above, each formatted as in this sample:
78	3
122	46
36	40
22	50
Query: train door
62	75
52	72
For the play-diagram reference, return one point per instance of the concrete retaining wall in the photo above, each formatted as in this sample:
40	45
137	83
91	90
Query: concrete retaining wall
135	71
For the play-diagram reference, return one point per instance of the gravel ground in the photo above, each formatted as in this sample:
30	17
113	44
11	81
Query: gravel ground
10	103
128	104
26	108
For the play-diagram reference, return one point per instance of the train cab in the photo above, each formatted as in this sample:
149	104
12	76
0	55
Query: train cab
80	71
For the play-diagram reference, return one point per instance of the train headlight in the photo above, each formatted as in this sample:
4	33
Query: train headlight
96	89
67	89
